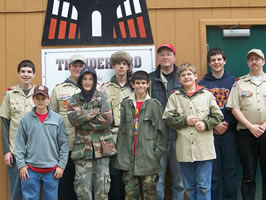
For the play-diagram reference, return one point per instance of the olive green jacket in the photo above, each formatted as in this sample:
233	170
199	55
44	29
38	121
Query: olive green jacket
151	137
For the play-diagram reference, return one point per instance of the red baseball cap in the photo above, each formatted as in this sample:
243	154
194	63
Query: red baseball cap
167	45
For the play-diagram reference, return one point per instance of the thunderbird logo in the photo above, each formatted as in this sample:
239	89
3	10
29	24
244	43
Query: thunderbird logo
83	22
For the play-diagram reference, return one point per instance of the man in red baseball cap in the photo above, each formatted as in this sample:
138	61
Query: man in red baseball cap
163	81
166	45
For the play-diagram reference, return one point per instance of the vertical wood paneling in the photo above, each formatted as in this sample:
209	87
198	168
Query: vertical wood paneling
239	13
2	55
221	13
257	12
202	3
199	14
15	45
14	5
150	3
183	3
239	3
163	3
2	5
184	35
152	17
219	3
33	41
33	4
44	4
257	2
165	25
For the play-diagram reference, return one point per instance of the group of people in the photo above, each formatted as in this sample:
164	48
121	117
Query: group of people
116	142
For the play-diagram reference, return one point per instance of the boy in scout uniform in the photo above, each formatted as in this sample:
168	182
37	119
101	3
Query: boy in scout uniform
117	89
16	102
192	110
248	103
59	102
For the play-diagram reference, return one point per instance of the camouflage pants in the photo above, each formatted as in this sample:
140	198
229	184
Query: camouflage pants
92	179
135	184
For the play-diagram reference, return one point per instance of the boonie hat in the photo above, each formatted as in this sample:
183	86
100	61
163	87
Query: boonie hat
76	58
41	90
256	51
167	45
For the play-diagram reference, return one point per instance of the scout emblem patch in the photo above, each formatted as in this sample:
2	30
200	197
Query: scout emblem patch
246	94
65	104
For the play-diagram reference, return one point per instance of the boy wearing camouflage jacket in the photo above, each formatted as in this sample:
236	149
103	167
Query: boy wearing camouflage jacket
90	113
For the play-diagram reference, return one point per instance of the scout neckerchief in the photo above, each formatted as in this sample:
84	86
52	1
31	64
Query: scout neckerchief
138	106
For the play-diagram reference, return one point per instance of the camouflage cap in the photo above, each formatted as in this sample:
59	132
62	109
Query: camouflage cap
119	56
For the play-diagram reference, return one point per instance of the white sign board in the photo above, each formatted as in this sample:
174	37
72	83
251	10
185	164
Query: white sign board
55	62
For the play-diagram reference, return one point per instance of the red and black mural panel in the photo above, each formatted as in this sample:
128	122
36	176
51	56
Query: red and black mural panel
81	22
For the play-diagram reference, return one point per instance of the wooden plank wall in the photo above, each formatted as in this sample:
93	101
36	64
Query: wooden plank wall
174	21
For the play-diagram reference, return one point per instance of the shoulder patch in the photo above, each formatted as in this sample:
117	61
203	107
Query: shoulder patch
235	83
8	89
173	92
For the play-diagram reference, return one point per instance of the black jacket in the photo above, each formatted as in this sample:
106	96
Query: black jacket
159	92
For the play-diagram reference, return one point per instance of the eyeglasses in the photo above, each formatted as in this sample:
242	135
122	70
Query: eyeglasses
256	59
166	54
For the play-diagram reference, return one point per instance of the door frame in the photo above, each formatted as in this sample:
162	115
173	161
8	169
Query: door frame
220	22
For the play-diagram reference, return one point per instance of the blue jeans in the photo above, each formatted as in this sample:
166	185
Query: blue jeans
197	179
177	184
224	168
31	187
251	150
14	182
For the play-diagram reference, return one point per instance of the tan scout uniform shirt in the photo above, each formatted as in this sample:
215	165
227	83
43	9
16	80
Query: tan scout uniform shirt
191	145
15	104
59	102
250	98
116	94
